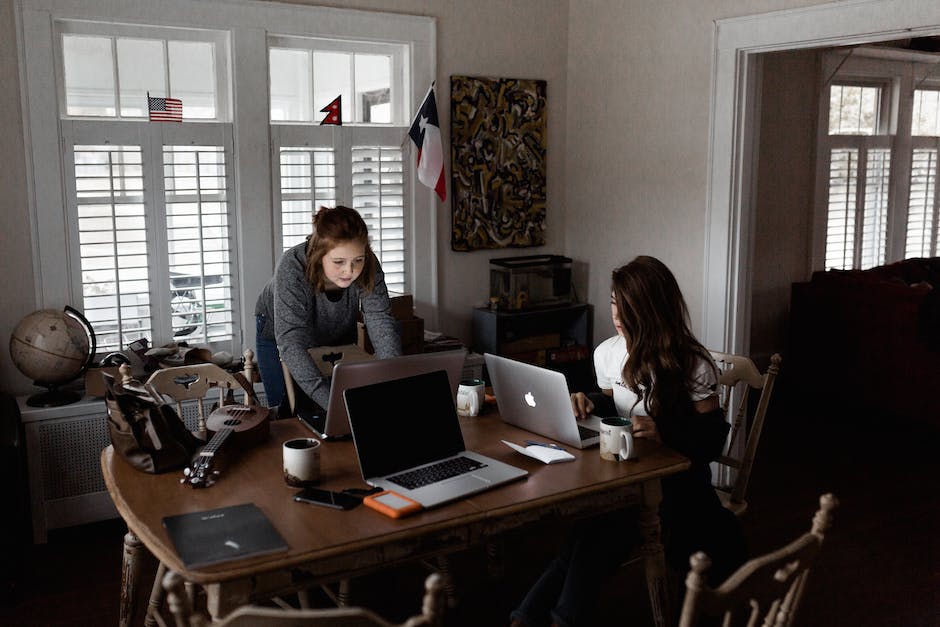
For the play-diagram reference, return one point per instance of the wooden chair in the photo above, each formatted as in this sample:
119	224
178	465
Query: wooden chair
182	384
738	376
768	587
181	606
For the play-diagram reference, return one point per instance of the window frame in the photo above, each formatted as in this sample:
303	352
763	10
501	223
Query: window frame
246	26
342	142
885	122
152	139
894	72
401	102
139	31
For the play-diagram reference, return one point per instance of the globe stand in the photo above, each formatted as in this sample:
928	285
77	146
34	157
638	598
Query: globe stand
53	397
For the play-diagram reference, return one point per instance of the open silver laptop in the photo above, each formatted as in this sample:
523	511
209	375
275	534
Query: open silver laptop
408	440
537	399
335	423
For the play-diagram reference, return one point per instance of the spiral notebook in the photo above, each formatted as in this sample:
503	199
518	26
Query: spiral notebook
222	535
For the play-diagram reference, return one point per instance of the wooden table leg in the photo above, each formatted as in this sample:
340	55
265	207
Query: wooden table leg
657	582
496	558
344	593
130	576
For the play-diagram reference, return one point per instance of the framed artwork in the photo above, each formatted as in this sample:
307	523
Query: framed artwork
497	162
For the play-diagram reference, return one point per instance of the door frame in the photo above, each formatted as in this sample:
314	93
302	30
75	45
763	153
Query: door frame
734	130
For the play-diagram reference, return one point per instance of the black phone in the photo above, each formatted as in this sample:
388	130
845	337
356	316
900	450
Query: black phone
327	498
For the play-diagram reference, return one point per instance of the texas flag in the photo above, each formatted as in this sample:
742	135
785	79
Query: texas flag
425	132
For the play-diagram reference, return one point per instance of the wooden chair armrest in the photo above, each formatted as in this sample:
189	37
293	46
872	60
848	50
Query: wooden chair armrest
729	461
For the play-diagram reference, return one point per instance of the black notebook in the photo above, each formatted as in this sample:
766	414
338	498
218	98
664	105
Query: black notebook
222	535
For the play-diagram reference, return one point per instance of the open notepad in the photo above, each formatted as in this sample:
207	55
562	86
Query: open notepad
544	454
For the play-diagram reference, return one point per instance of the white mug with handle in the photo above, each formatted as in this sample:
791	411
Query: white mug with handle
617	439
470	397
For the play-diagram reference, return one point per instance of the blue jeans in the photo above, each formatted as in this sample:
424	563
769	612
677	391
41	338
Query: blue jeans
269	365
567	592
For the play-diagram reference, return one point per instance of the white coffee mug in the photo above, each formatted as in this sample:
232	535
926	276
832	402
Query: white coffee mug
301	461
470	397
617	439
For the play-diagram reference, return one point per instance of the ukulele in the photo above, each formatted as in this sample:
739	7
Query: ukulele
245	425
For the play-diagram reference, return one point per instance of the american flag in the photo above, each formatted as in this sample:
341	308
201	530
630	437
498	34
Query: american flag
165	109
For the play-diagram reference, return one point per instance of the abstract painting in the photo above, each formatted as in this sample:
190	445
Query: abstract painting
497	162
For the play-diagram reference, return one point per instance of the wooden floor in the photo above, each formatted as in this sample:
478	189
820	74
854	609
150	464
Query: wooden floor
882	559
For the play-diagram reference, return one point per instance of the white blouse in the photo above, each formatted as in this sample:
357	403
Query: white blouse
610	356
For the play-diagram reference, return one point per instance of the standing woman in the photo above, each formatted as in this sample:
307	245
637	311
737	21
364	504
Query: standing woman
314	298
657	374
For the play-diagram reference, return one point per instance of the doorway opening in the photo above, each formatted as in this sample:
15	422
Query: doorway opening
735	120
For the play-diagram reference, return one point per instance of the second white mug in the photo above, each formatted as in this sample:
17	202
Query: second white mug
470	397
617	439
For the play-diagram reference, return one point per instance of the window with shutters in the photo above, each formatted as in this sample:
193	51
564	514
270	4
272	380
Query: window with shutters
134	178
358	163
308	181
878	147
169	230
112	232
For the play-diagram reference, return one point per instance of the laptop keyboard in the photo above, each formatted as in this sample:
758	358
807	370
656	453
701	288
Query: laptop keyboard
585	433
436	472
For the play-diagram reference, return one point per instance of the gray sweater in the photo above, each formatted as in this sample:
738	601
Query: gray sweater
299	317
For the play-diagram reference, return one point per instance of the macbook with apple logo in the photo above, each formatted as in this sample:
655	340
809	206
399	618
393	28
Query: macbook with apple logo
536	399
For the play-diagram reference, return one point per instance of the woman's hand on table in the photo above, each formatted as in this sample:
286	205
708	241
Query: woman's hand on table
645	427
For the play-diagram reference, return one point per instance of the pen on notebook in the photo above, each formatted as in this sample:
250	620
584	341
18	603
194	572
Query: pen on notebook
547	444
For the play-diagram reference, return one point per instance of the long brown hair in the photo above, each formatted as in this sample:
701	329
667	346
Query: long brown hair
663	353
333	226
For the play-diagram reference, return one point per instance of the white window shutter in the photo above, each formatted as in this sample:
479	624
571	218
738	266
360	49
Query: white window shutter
378	195
198	242
840	225
922	204
112	233
307	182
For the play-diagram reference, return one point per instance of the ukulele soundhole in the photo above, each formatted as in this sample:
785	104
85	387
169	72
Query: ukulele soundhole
232	422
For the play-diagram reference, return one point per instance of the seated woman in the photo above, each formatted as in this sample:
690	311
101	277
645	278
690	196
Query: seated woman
314	298
657	374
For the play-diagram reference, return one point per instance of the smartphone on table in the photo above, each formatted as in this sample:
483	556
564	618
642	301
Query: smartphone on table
327	498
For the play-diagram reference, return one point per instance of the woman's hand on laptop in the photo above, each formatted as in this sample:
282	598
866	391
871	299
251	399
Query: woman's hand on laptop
581	404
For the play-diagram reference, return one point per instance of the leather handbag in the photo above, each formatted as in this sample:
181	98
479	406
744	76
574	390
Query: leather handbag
148	434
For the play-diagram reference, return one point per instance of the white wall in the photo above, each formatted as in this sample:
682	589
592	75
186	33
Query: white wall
639	88
17	296
785	186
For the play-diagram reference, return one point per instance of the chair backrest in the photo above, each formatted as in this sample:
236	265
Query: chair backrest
432	611
766	590
738	376
193	382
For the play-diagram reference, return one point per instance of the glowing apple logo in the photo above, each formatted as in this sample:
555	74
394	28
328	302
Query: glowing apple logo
529	399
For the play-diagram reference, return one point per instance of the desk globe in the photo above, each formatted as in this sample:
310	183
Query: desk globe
52	348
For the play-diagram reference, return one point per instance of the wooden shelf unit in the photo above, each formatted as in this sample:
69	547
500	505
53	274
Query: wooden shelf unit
559	338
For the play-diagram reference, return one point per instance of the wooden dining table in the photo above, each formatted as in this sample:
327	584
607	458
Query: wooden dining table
327	545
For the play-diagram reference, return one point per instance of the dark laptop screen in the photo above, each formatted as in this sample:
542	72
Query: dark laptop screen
403	423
